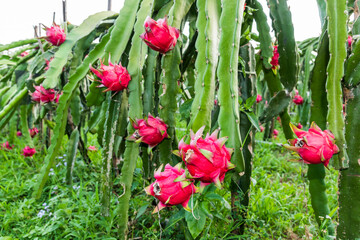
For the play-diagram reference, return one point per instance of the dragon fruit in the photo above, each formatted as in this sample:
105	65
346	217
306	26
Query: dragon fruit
43	95
115	77
314	146
275	59
7	145
33	132
55	35
258	98
206	159
159	36
28	151
150	131
298	99
171	188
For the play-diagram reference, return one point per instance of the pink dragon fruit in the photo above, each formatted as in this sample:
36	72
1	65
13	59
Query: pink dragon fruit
7	145
115	77
19	133
206	159
159	36
150	131
171	188
298	99
43	95
349	41
24	53
92	149
28	151
33	132
258	98
314	146
58	95
275	59
55	35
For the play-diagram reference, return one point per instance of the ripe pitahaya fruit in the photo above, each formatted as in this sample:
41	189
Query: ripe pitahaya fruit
55	35
206	159
149	130
171	188
314	146
115	77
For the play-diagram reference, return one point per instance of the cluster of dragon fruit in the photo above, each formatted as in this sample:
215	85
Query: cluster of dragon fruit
206	159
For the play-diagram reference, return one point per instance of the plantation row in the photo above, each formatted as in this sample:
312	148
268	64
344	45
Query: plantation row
133	80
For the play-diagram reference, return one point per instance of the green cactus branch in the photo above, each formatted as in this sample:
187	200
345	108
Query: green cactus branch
227	73
137	55
169	80
336	11
349	180
202	114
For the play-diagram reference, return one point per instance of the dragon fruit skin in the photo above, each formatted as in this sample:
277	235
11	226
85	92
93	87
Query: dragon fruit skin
55	35
314	146
115	77
28	152
149	130
206	159
43	95
159	36
171	188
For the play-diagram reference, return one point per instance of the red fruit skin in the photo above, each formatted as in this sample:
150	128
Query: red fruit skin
210	168
299	126
349	41
92	148
159	36
169	189
275	58
151	131
33	132
298	100
43	95
55	35
23	54
275	133
262	128
258	98
7	145
115	77
28	152
18	133
314	146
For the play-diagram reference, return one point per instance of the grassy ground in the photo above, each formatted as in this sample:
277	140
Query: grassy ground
279	205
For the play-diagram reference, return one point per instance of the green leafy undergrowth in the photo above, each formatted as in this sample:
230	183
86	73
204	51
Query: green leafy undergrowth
279	204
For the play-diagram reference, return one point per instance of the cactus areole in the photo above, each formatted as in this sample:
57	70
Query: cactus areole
159	36
115	77
171	188
314	146
206	159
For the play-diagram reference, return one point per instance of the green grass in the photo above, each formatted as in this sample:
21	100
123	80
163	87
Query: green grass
279	206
